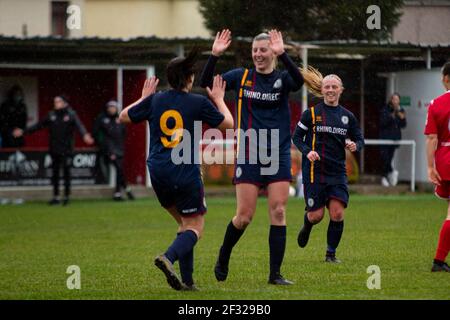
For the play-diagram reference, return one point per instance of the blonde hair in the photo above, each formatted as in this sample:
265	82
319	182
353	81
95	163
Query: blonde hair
262	36
313	80
334	76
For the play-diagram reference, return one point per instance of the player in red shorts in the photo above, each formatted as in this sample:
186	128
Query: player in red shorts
437	130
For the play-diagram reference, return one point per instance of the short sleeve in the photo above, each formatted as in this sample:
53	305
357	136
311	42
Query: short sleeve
141	111
210	114
430	124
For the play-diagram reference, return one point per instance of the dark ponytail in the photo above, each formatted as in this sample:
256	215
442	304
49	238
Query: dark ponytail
180	69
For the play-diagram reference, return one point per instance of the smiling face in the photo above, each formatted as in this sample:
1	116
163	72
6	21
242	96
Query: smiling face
263	57
331	89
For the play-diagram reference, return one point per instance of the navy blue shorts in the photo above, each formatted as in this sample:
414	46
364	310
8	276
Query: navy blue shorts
254	173
189	200
318	195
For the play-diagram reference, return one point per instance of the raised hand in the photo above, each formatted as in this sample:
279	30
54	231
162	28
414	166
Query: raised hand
276	42
222	42
217	93
149	87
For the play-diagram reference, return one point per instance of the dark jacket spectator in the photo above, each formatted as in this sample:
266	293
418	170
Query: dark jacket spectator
109	134
392	120
13	114
61	123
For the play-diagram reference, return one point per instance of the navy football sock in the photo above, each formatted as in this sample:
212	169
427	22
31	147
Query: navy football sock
334	234
187	267
184	243
232	236
277	245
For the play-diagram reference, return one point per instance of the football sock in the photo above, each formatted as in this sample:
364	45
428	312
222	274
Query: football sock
277	245
232	236
187	266
183	243
444	242
334	233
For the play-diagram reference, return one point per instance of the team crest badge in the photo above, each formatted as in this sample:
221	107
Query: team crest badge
278	84
344	119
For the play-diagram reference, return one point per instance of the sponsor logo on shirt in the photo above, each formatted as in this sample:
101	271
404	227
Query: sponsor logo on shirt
262	96
333	130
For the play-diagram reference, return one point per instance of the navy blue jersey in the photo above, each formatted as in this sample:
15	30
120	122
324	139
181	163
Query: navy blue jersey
264	99
167	112
324	129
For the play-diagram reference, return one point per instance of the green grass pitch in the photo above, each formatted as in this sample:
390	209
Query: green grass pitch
114	245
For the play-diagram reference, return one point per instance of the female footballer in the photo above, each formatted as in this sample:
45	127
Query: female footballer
262	108
171	115
322	135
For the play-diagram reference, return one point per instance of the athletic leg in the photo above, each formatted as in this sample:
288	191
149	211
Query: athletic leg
246	196
335	229
443	246
278	193
182	249
314	211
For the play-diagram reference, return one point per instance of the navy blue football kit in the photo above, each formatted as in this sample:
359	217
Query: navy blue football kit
324	129
262	104
168	114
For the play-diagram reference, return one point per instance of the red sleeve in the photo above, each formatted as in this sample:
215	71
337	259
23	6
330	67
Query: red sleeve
430	125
